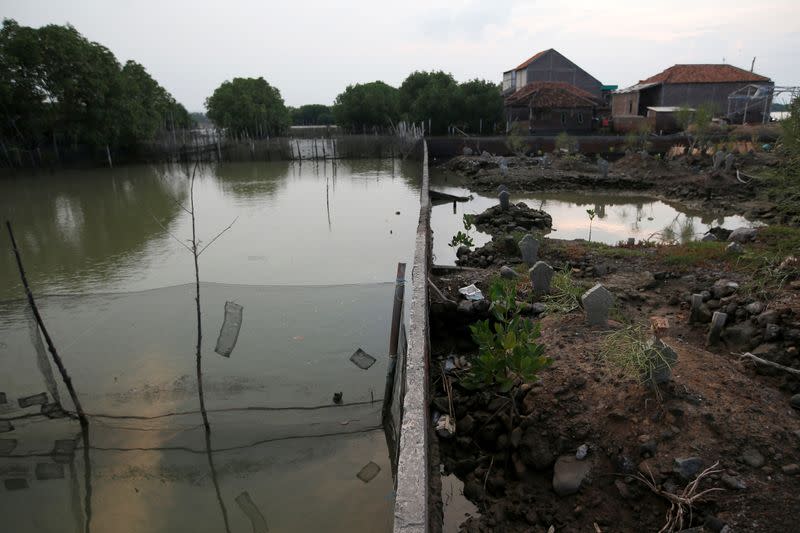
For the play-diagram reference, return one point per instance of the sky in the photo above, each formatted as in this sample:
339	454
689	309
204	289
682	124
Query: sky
311	50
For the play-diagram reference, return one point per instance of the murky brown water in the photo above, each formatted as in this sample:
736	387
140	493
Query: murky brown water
310	259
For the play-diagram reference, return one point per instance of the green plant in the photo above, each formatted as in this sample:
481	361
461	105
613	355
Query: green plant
566	143
461	238
507	347
592	214
633	351
515	141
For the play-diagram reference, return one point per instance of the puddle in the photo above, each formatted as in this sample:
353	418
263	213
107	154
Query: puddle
618	217
457	508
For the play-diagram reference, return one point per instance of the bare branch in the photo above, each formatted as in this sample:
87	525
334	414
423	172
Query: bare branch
170	233
217	236
748	355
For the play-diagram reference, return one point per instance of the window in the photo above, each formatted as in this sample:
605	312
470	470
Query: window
563	118
580	118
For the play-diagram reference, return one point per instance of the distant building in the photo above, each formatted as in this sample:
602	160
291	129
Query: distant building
731	92
547	107
548	93
550	65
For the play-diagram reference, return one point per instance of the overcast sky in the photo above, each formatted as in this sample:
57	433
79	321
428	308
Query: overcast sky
311	50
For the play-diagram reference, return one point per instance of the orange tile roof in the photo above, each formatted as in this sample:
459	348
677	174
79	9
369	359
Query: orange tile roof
550	94
704	74
532	59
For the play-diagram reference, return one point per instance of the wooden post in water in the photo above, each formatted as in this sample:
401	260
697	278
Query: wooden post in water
50	346
108	154
397	310
299	155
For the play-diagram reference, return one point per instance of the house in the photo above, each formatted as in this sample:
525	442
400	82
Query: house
723	87
550	65
547	107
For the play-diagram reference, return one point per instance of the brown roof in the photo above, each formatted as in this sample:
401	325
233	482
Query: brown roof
551	94
532	59
704	74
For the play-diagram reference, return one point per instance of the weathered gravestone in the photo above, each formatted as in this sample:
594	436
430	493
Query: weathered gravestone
501	188
504	196
729	160
541	276
717	159
718	320
602	167
597	303
529	248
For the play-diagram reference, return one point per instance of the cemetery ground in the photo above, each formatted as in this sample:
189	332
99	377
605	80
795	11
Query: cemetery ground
592	443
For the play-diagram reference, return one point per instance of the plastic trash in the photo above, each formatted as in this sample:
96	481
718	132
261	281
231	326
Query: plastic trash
369	472
362	359
471	292
229	333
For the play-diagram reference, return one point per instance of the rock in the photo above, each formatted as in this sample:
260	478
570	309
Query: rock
723	288
791	469
733	483
538	308
734	248
795	402
753	458
465	306
712	523
466	425
742	235
516	437
708	237
462	251
442	404
624	491
767	317
583	450
772	332
687	467
535	450
739	334
466	151
568	474
507	272
754	308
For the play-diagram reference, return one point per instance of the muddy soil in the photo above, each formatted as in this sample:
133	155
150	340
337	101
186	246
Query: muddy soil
718	408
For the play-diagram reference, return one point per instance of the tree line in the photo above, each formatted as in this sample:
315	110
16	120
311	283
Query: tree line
253	107
57	88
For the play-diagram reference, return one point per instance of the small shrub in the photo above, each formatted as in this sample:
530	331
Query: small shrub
507	349
461	238
566	143
515	140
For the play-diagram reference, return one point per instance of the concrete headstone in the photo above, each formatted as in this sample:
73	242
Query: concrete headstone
717	159
541	276
602	167
504	202
597	303
718	320
729	160
529	248
697	305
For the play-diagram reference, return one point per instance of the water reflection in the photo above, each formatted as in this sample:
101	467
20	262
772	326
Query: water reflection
618	217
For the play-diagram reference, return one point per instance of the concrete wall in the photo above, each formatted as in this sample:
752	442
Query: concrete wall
552	66
551	121
411	513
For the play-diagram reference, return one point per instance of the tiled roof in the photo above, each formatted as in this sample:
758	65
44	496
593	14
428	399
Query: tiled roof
532	59
704	74
550	94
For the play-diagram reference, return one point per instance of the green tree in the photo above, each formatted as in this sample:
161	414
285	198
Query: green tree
481	103
433	96
790	138
248	106
366	105
311	115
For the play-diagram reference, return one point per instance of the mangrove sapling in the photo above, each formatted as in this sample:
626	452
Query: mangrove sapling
507	347
592	214
463	238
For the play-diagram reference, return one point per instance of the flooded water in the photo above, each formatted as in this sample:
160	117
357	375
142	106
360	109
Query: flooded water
311	259
618	217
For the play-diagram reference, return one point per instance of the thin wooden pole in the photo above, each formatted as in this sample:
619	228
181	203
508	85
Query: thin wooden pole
399	294
50	346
